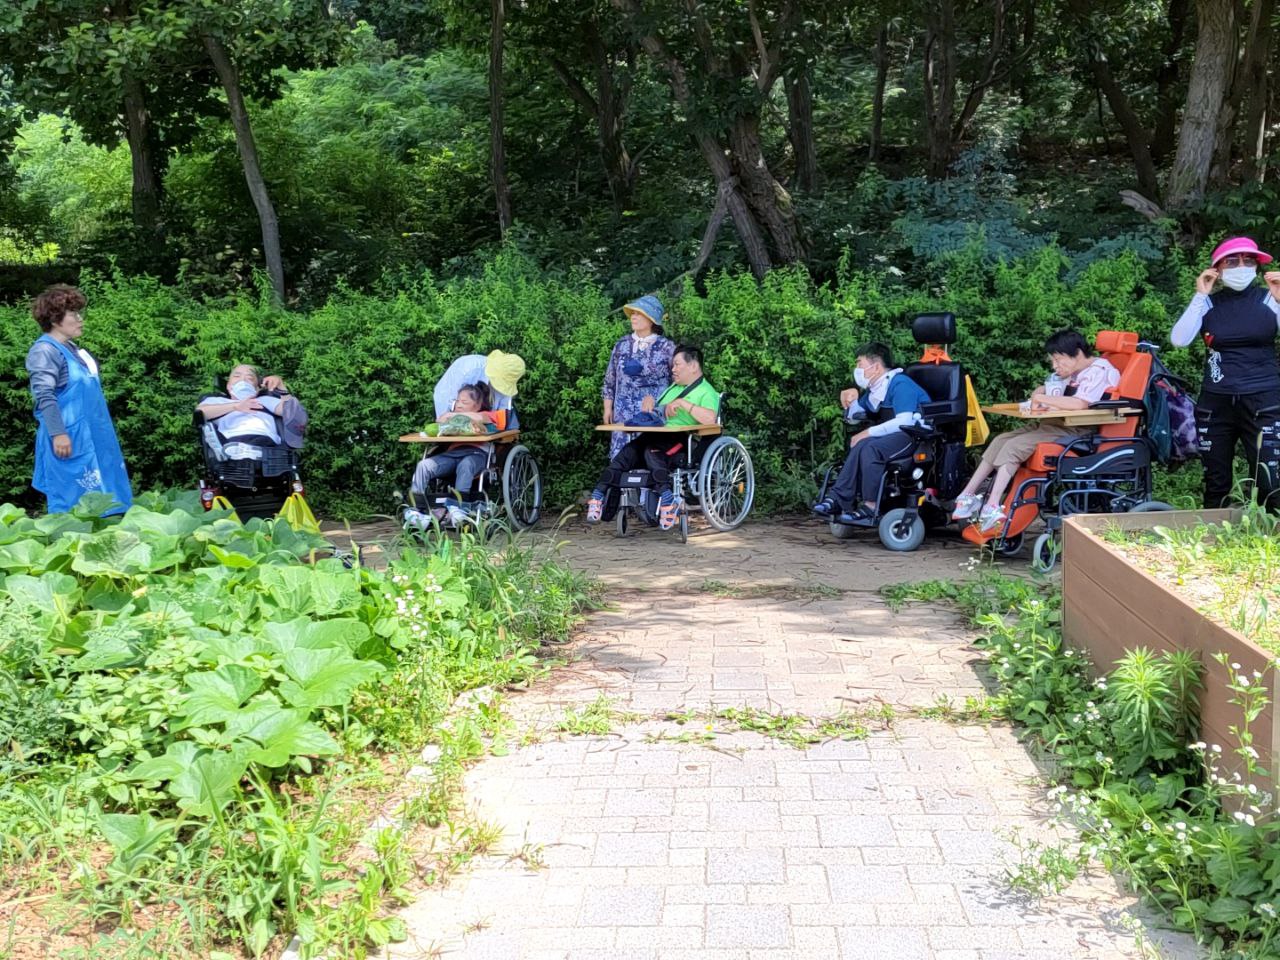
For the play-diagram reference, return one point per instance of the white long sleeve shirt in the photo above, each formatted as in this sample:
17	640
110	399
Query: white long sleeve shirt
1188	326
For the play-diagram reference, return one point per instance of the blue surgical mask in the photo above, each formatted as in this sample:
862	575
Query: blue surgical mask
243	390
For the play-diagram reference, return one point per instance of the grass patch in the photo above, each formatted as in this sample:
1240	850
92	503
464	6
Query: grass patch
810	590
201	718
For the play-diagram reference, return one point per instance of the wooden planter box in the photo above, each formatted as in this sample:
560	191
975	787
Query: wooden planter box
1110	607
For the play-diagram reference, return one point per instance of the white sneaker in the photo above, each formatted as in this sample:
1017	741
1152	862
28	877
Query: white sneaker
991	519
457	516
967	505
416	518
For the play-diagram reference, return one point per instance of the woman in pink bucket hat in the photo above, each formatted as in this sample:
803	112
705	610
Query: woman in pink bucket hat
1240	396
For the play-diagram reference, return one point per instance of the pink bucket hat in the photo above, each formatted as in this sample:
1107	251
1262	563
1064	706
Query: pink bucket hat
1238	245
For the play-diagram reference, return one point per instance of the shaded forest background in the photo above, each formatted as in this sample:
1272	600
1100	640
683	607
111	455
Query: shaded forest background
275	161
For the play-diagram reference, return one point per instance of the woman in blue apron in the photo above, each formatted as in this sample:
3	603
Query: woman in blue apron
76	447
639	367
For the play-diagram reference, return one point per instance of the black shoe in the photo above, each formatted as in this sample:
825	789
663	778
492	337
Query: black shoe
863	516
825	507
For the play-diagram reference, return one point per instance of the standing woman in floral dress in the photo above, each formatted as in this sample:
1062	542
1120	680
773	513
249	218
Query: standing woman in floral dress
639	367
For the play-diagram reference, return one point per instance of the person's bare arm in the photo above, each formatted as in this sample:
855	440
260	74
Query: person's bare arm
213	409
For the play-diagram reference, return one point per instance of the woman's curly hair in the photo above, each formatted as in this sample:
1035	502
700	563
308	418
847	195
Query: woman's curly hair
55	303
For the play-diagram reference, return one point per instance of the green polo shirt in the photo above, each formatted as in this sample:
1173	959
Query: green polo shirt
703	395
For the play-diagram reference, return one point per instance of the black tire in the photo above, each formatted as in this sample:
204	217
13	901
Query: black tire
1009	546
521	488
842	531
1152	506
620	521
682	528
897	534
1044	553
726	483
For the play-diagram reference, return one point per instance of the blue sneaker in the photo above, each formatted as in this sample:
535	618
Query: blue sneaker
668	511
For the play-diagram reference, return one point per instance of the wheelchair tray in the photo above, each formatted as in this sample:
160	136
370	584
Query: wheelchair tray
502	436
1071	418
701	429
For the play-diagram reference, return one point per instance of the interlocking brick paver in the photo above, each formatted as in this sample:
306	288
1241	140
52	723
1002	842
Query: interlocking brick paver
655	847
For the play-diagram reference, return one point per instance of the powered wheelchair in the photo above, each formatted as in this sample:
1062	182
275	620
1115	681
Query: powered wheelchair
253	477
920	484
714	473
1109	471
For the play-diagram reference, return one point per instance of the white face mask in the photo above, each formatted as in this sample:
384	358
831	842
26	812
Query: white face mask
243	390
860	378
1237	278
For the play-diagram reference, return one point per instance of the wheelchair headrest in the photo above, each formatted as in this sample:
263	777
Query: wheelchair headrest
934	328
1116	341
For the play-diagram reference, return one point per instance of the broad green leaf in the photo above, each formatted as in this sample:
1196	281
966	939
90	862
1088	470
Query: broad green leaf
123	830
342	632
324	678
50	592
122	553
178	523
285	734
24	556
214	696
177	758
1227	910
289	587
109	647
54	525
232	558
207	785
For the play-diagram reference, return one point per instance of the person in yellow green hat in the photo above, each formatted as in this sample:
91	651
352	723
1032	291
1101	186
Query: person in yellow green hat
501	371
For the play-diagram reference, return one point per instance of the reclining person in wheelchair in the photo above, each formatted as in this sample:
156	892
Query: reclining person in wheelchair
254	413
1078	380
890	401
689	401
470	415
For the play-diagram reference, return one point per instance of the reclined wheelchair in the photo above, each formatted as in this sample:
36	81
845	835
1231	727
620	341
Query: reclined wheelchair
510	482
714	474
1106	472
919	486
255	479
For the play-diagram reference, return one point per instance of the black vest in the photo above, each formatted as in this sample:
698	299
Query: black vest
1240	332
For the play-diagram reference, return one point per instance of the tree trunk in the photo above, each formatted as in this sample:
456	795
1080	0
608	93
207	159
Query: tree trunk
1135	133
1229	116
1206	95
877	98
607	109
800	131
230	79
940	87
768	200
713	152
497	151
1255	91
1164	135
147	188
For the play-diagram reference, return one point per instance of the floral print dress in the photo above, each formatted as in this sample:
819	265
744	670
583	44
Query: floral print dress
637	369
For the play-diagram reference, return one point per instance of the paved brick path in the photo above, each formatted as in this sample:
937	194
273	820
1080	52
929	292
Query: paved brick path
636	845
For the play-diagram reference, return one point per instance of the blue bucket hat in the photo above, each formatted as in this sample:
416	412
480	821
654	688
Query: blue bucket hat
650	306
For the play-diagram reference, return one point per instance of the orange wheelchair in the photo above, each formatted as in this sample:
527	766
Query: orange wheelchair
1109	471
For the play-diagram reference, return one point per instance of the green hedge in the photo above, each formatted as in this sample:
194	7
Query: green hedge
365	363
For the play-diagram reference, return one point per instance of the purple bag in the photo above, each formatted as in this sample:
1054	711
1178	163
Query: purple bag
1185	443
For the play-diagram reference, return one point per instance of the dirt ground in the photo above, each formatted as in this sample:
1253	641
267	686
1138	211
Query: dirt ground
793	554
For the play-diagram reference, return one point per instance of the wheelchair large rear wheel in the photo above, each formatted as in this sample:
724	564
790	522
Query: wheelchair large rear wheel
521	488
727	483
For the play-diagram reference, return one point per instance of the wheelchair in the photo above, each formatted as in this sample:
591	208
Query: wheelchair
714	474
256	485
920	484
510	482
1106	472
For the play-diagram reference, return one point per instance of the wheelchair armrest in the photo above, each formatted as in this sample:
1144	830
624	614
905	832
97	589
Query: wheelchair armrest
935	408
920	431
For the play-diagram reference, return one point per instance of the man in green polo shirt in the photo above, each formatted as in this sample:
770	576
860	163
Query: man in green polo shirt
688	401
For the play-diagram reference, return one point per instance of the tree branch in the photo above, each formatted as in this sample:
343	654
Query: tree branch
580	94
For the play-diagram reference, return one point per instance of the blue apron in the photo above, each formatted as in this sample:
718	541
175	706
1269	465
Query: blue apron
96	463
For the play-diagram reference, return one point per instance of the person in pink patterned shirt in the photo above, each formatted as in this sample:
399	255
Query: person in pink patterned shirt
1078	380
